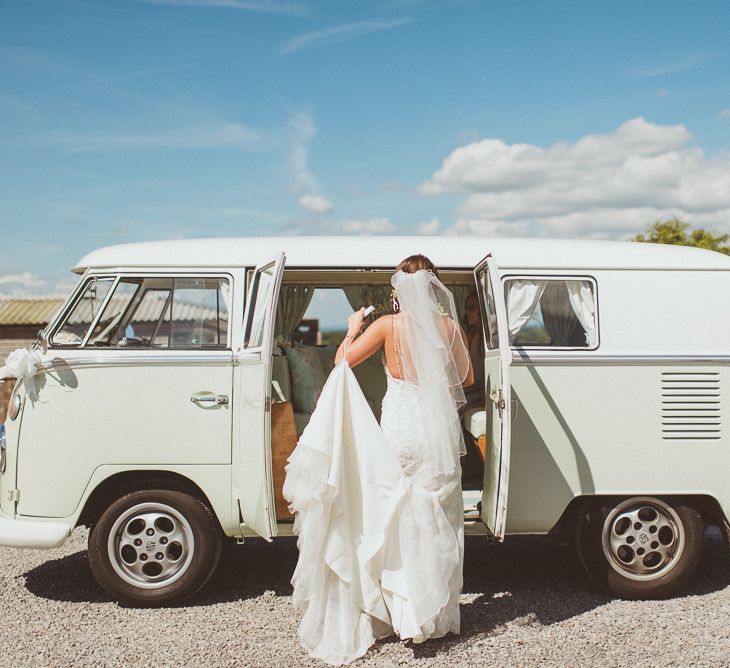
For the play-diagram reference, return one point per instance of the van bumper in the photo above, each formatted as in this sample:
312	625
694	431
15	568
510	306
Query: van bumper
31	534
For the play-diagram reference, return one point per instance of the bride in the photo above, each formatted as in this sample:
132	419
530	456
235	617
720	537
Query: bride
378	507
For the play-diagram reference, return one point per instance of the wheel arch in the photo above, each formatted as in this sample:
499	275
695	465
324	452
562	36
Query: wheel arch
119	484
707	505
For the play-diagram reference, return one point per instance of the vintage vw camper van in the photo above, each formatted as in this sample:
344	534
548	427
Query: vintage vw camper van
174	382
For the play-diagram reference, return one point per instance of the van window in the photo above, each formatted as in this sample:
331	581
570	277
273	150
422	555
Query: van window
197	316
73	330
183	313
260	296
108	324
489	313
551	312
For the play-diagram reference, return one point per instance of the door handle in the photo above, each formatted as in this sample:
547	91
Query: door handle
209	398
498	399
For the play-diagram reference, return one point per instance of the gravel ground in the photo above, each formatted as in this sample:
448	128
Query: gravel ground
525	603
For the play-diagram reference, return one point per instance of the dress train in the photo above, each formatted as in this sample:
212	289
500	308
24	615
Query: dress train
378	553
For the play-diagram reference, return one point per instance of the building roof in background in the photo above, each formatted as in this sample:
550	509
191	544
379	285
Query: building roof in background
26	312
39	312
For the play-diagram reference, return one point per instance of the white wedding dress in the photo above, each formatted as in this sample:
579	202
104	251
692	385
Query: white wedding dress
380	553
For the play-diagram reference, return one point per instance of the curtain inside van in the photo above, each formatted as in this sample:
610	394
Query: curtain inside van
293	303
365	295
522	300
584	307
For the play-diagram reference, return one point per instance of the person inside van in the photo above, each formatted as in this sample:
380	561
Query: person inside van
472	324
472	465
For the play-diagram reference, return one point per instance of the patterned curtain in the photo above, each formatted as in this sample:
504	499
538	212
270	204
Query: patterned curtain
461	292
293	303
365	295
557	314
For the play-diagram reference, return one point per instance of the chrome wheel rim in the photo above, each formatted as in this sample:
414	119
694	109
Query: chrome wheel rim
643	538
151	545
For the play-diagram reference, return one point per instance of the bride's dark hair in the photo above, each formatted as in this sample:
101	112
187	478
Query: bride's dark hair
415	262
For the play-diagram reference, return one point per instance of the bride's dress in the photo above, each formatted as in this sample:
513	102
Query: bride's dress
380	553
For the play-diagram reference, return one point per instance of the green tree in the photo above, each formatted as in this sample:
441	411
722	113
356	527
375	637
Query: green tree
675	231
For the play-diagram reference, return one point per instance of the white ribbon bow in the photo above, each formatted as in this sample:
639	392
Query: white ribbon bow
22	363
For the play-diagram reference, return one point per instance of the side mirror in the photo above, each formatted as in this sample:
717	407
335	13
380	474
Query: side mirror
41	341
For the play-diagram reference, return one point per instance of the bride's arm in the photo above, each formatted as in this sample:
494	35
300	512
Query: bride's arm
469	380
362	347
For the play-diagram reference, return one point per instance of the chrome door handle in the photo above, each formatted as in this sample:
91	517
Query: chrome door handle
209	398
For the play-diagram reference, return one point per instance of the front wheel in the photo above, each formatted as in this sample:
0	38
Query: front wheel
641	547
154	547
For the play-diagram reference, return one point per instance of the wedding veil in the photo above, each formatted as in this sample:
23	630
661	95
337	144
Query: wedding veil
432	355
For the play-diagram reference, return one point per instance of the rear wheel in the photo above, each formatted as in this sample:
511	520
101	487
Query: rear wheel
154	547
641	547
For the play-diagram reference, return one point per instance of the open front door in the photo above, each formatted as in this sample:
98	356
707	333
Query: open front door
497	381
252	482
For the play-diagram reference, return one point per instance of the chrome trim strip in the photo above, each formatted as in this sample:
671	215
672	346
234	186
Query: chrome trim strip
122	358
520	358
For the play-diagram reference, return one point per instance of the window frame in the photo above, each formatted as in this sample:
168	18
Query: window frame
253	280
69	309
116	277
555	277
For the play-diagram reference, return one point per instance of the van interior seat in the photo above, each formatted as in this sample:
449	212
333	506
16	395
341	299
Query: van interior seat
299	374
475	421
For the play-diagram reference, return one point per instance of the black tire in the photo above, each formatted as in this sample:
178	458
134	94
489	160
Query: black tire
154	547
640	547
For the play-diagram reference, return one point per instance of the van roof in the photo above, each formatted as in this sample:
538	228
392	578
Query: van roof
388	251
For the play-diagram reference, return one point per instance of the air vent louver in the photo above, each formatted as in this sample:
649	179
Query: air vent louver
691	406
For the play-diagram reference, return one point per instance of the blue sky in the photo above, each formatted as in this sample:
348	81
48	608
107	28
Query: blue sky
147	119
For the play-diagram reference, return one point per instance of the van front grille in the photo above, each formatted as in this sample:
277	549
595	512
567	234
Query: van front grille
691	406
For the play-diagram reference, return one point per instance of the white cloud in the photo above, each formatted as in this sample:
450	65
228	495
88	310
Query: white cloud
338	34
606	185
301	131
31	59
24	279
140	74
315	204
725	113
362	226
427	226
58	288
685	63
266	6
221	135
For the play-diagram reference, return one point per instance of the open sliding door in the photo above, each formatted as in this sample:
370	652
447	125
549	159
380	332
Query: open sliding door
497	380
252	430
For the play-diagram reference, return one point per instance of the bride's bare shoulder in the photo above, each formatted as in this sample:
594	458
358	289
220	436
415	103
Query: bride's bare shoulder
383	321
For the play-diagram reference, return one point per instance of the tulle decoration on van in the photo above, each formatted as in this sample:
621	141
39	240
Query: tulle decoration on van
22	363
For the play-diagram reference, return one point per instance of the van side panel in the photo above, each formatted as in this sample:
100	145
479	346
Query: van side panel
213	480
116	414
592	430
651	312
591	422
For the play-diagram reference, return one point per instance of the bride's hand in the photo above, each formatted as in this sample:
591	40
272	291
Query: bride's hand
355	322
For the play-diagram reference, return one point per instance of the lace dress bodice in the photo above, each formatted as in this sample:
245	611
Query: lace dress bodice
402	424
401	421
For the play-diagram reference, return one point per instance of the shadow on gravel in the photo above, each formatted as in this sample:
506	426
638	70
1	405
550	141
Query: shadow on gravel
66	579
540	583
524	578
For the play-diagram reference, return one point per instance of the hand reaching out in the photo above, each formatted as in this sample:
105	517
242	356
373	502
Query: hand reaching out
355	322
